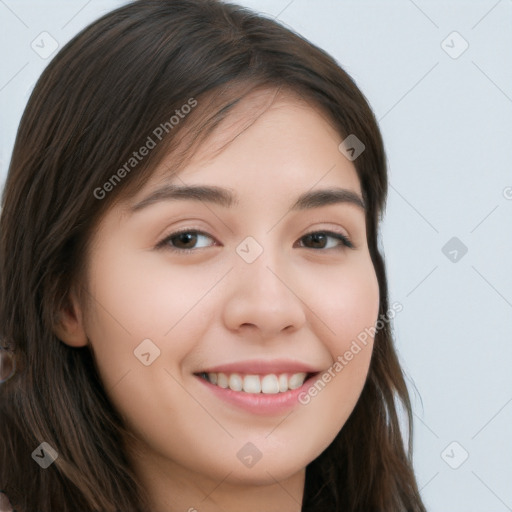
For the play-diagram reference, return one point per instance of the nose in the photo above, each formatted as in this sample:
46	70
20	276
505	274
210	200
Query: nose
264	298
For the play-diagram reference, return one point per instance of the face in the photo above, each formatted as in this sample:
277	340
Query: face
201	298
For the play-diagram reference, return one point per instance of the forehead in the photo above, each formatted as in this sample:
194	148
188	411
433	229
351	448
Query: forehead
269	133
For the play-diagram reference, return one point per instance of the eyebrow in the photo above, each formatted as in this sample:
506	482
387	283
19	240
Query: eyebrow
226	198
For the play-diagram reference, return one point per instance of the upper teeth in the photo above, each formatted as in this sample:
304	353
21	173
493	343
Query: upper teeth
269	384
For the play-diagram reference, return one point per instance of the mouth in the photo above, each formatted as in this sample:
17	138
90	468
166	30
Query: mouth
254	383
262	388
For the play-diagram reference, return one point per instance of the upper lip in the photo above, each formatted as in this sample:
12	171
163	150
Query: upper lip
261	366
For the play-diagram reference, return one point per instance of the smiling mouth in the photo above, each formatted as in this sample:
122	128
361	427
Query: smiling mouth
272	383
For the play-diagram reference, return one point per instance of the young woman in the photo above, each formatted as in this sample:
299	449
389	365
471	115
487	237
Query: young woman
194	312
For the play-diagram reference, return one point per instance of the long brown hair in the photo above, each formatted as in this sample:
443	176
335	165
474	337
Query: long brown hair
99	100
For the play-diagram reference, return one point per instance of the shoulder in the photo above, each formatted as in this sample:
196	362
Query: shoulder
5	504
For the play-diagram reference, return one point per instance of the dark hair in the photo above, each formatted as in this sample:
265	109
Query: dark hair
99	100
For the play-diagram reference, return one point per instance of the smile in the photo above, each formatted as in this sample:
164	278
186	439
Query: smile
252	383
261	387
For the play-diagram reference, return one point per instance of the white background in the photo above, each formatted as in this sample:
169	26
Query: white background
447	127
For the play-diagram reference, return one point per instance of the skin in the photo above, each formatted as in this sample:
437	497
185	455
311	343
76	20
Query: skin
211	307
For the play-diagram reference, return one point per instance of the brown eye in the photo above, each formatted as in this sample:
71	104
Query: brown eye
185	241
321	240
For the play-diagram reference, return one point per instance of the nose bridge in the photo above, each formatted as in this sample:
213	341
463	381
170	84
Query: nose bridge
263	267
261	294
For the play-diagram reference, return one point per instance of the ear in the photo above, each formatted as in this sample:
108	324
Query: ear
69	327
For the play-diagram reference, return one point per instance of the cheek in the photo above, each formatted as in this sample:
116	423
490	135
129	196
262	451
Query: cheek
348	306
347	302
139	298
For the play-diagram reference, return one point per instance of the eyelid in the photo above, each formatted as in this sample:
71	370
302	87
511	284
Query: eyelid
345	239
330	229
163	243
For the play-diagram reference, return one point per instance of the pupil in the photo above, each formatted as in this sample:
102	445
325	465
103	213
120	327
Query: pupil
318	239
186	238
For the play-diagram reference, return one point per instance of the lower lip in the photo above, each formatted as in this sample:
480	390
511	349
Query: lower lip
260	403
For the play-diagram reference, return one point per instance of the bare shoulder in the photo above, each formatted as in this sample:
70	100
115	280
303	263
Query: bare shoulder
5	504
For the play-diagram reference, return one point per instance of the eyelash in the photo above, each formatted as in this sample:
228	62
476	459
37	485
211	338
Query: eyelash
164	244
